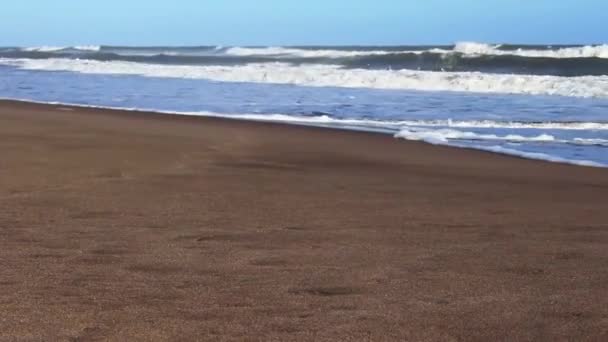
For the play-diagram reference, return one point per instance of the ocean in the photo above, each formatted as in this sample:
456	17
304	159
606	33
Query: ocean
541	102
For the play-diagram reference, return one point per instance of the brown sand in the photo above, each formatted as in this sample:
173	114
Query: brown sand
125	227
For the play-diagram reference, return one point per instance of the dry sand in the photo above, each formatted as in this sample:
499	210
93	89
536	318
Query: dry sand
126	226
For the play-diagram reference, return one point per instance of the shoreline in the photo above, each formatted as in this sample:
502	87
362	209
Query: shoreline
118	225
500	151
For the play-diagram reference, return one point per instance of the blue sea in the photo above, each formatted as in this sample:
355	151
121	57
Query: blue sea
541	102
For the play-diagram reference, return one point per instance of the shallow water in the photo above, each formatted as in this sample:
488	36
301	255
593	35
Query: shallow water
555	128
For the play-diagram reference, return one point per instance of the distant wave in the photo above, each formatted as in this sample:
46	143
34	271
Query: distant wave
464	48
588	51
469	49
337	76
43	48
62	48
569	61
309	53
390	61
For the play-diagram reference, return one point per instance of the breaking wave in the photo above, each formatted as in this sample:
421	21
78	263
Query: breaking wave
587	51
464	48
62	48
319	75
570	61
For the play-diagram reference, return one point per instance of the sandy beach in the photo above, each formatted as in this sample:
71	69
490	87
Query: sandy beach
124	226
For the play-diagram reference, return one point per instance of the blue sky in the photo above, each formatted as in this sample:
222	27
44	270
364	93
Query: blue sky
303	22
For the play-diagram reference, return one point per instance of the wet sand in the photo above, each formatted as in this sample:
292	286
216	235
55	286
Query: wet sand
124	226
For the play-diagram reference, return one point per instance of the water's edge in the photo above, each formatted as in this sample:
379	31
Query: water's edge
367	130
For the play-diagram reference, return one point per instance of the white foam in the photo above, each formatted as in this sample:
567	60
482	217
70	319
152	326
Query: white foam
466	48
383	125
444	125
556	125
306	53
449	123
444	135
335	76
60	48
472	48
87	47
590	142
538	156
44	48
477	49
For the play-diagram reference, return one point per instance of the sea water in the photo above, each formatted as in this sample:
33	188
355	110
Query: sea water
538	102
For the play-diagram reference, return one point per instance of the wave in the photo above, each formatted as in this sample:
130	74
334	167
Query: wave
503	64
473	49
455	139
416	129
61	48
553	125
568	61
464	48
43	48
445	135
590	142
336	76
87	47
469	49
310	53
391	125
388	61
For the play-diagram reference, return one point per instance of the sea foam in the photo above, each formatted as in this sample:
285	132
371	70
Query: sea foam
451	138
335	76
445	135
305	53
465	48
588	51
62	48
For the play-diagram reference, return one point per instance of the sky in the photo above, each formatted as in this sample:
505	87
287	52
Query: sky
301	22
